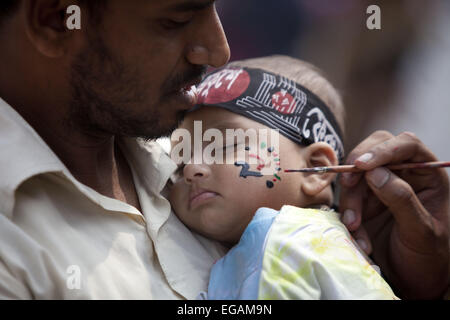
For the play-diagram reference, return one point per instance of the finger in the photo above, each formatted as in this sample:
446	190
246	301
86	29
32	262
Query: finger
363	240
413	220
431	178
404	147
373	206
432	189
351	205
351	179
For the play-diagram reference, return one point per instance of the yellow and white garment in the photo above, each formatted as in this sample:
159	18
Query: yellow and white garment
296	254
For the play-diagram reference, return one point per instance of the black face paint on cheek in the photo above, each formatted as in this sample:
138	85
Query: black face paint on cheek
245	172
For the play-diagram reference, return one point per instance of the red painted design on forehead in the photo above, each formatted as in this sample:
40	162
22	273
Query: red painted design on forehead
223	86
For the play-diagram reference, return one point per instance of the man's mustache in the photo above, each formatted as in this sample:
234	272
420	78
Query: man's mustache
178	82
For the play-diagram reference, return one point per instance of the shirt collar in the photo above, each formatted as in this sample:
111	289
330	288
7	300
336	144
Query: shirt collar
150	162
23	154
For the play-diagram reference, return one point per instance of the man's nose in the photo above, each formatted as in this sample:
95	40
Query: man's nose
195	172
210	45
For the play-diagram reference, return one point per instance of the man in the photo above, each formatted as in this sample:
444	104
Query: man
82	215
82	201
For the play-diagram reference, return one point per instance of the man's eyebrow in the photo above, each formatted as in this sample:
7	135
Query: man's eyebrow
192	5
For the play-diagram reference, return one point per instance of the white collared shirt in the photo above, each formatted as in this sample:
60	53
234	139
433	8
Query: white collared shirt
60	239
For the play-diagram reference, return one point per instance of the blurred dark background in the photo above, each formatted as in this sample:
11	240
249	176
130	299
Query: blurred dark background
396	78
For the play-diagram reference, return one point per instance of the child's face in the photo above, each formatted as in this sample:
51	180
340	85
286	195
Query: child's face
219	200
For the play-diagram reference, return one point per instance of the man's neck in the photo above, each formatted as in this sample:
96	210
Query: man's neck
93	159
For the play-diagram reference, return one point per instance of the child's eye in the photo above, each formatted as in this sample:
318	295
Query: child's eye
233	148
230	147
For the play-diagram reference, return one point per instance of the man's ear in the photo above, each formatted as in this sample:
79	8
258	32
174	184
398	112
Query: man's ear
45	23
318	155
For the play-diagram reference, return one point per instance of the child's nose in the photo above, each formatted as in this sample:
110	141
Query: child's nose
193	172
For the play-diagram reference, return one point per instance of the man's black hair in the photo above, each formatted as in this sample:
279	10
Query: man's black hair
7	7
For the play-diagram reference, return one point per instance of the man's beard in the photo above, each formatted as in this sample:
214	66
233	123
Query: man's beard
105	93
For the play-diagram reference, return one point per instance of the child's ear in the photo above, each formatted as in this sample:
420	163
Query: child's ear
318	155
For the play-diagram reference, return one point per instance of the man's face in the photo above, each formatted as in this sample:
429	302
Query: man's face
134	76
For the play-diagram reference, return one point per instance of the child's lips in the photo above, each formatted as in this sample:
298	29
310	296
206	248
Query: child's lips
200	196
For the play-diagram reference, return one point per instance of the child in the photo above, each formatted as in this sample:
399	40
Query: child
286	242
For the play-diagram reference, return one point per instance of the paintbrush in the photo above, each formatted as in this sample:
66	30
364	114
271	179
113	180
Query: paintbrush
353	168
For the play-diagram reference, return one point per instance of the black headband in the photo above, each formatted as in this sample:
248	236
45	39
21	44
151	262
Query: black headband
275	101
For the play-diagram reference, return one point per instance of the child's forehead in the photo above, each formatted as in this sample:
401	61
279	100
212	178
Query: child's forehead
207	118
221	119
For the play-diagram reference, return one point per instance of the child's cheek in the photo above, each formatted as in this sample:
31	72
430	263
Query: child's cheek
263	162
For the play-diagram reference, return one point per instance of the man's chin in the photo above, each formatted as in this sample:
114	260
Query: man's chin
154	130
149	135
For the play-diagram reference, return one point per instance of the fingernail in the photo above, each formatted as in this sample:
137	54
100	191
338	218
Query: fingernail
379	177
362	244
365	157
349	217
